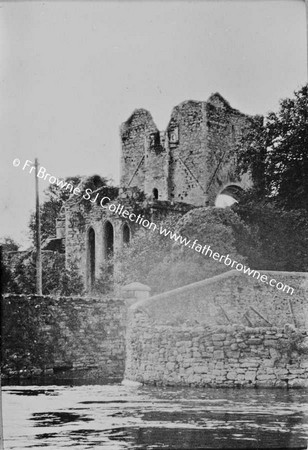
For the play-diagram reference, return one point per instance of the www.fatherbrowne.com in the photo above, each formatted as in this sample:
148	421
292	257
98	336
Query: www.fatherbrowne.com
105	203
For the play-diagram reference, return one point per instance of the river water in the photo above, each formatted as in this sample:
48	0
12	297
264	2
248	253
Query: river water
113	416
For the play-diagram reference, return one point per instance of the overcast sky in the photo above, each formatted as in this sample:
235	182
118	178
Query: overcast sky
71	72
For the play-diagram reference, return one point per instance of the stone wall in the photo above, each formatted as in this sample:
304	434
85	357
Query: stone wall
234	298
193	160
188	170
79	220
225	331
225	126
230	356
50	335
133	134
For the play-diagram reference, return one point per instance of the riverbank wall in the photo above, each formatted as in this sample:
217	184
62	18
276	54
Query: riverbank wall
63	336
227	331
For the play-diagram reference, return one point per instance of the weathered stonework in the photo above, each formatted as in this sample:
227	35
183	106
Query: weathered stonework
185	166
45	335
229	356
193	160
230	330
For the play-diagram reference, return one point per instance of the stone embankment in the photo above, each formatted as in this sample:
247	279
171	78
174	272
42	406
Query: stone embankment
232	356
63	336
227	331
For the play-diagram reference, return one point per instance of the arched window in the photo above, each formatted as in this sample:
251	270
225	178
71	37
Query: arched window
109	240
155	194
229	195
91	258
126	234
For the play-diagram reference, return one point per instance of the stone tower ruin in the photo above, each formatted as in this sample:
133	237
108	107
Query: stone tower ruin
186	166
193	161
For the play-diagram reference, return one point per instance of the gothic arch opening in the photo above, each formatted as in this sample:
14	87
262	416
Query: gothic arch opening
109	240
91	258
155	194
126	234
228	196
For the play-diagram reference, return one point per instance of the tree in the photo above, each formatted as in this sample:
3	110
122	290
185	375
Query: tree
7	281
281	234
275	152
19	275
8	244
57	196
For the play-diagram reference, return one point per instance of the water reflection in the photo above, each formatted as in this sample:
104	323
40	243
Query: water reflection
124	417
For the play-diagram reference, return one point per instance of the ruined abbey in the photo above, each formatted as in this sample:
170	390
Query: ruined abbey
187	165
230	330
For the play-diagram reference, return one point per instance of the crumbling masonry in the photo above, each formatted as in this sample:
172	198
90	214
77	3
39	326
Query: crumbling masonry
187	165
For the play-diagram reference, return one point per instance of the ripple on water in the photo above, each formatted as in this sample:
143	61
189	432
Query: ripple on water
119	417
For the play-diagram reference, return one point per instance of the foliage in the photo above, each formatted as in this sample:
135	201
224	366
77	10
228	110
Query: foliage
98	187
21	275
63	282
24	341
222	229
282	235
56	197
294	343
104	283
275	152
8	244
50	208
135	200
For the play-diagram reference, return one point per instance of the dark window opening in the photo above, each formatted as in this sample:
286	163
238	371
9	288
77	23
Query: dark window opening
155	193
126	234
109	240
91	257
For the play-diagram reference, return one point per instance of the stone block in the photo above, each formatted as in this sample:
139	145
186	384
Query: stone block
242	345
268	362
281	373
219	365
218	354
250	363
298	383
218	344
200	369
170	366
275	354
218	337
254	341
265	377
297	371
232	376
250	376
